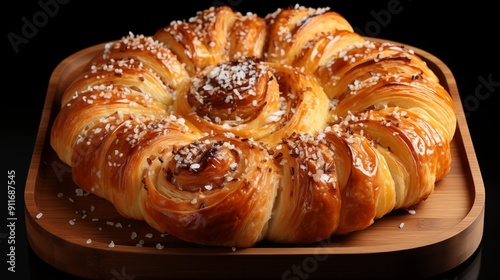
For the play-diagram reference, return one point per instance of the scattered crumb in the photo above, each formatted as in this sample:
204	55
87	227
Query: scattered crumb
134	235
79	192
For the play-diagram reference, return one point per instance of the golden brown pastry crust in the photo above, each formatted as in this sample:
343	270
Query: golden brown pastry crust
217	190
229	129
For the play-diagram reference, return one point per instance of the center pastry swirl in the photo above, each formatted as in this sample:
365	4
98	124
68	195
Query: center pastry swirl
233	91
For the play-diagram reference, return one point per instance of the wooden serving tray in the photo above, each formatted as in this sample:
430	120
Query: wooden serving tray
73	231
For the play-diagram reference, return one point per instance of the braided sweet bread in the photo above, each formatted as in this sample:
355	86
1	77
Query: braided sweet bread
229	129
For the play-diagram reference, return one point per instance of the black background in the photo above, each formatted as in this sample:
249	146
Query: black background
463	36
